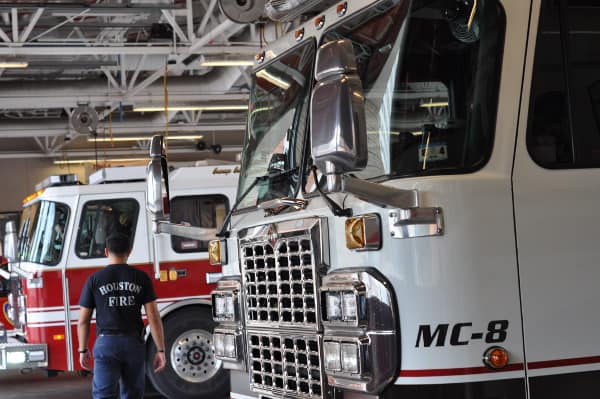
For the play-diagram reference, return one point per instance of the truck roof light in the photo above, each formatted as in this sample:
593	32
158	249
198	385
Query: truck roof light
320	22
342	8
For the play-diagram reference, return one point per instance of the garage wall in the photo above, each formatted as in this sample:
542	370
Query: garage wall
18	178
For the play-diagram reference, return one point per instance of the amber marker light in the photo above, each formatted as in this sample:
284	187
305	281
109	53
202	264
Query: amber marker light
495	357
173	275
320	22
355	233
299	34
214	252
58	337
341	9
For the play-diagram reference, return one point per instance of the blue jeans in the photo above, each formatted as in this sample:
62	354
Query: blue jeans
118	359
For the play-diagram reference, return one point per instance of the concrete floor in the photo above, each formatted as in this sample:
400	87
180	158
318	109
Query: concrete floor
36	385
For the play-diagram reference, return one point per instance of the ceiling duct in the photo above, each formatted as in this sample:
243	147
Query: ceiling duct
243	11
287	10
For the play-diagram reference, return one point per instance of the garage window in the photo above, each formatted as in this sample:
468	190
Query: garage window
207	211
564	113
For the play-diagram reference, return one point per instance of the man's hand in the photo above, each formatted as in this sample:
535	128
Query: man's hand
85	359
159	362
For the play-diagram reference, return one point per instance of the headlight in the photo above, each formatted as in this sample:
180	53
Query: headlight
331	351
343	306
333	305
227	337
360	345
229	348
343	357
226	300
225	345
350	358
223	307
15	357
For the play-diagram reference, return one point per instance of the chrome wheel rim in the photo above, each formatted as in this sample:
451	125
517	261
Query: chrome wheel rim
193	356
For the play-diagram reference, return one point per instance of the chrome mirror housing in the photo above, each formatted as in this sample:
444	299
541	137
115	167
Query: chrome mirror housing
157	180
338	124
10	241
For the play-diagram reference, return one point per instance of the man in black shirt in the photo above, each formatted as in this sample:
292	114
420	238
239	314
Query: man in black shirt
118	292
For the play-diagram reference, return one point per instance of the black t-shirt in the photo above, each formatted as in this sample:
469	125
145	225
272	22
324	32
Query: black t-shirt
118	292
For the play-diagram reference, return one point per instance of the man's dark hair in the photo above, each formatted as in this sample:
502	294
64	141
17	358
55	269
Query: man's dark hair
118	244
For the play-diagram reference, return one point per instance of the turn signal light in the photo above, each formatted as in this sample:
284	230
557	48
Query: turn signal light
363	233
355	233
58	337
495	357
214	252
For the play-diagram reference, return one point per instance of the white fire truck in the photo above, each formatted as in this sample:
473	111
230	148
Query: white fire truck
61	243
416	210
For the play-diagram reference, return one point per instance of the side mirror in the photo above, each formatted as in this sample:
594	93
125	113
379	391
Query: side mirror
338	124
157	180
10	241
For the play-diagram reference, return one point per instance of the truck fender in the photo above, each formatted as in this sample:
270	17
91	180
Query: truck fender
167	310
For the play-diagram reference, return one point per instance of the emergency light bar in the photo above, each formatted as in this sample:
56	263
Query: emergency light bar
125	174
57	180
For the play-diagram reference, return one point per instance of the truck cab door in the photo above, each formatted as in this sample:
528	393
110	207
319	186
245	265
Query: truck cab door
556	183
97	217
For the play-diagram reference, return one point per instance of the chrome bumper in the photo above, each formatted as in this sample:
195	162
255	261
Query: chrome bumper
15	356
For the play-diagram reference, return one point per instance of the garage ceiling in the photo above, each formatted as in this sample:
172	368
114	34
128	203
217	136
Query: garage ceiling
115	57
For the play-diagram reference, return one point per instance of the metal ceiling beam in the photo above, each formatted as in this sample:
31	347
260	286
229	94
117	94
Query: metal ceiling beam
74	8
91	48
21	130
52	95
32	22
143	152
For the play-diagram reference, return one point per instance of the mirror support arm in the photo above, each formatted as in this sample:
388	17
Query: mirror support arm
379	194
180	230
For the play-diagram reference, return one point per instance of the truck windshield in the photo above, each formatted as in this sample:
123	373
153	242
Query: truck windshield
42	235
430	72
277	126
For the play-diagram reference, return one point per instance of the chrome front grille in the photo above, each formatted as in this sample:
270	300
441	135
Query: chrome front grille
280	282
285	365
281	265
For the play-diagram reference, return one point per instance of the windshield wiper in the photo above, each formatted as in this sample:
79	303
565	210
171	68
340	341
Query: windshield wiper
224	233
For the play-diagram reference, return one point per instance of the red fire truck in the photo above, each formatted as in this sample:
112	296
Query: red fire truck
61	242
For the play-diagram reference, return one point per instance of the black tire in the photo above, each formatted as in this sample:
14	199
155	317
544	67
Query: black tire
170	382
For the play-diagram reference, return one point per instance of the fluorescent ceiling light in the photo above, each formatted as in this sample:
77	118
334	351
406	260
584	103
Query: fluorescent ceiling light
142	138
7	63
93	161
161	108
276	80
432	104
226	63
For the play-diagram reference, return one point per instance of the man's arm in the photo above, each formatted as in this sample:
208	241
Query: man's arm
83	333
156	329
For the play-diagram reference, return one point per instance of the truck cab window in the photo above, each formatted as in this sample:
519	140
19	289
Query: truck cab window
199	211
99	219
42	235
564	113
430	81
